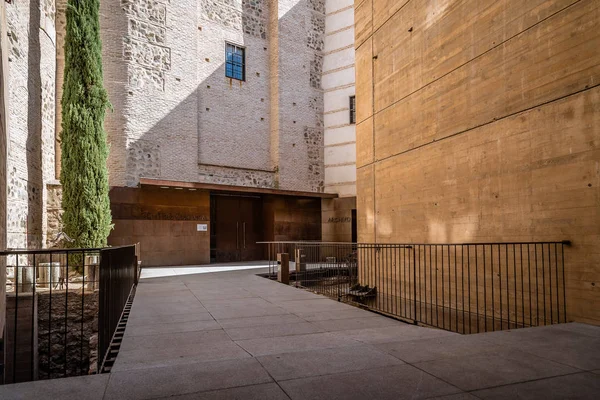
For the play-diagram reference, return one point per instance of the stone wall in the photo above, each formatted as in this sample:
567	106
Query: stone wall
76	325
300	161
3	157
30	161
177	117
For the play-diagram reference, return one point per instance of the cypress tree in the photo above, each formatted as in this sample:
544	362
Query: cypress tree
84	174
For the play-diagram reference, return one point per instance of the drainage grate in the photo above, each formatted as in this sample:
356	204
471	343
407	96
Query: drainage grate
117	339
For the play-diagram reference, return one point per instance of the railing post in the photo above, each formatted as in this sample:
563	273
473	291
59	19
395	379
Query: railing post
414	248
283	270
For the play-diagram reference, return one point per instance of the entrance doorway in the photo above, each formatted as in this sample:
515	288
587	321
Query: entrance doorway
236	226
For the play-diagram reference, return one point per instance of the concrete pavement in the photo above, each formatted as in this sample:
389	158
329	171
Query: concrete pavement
221	334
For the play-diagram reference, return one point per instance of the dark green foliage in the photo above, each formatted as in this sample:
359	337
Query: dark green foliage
84	175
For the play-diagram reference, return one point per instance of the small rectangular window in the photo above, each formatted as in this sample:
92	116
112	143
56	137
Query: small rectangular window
235	62
352	109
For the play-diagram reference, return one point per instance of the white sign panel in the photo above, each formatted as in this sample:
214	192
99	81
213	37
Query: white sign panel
202	227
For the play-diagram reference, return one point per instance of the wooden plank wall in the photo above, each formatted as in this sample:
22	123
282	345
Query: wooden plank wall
479	121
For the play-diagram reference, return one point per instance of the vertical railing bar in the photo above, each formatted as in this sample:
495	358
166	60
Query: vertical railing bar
418	257
507	286
50	314
443	300
557	285
515	282
500	282
462	286
537	287
529	281
469	282
14	366
66	308
414	268
33	316
82	311
564	284
430	285
493	297
455	290
522	287
544	283
477	285
550	282
437	309
484	294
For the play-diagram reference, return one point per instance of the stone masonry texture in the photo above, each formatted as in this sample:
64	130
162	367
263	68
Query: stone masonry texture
176	115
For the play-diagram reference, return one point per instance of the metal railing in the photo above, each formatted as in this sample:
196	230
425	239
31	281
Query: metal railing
56	309
464	288
118	278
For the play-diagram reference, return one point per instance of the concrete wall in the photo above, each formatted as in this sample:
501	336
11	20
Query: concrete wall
178	117
337	219
338	85
479	121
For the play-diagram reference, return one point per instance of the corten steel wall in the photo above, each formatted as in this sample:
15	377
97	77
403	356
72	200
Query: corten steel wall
164	223
478	121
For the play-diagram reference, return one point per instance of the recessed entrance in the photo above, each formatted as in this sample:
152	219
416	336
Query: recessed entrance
236	226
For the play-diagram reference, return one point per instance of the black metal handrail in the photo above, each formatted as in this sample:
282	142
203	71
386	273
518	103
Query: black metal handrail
56	309
462	287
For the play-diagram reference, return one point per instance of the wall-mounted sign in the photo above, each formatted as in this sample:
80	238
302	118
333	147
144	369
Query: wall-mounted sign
338	220
202	227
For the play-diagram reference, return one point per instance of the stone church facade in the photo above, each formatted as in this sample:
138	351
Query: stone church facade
184	136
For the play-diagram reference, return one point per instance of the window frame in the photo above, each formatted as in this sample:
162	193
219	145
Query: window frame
233	64
352	109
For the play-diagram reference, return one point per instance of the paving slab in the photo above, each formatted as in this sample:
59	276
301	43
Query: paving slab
576	386
230	334
287	344
180	354
353	312
267	391
400	332
493	369
269	331
569	344
82	387
458	396
419	350
174	327
258	321
393	383
136	320
305	364
313	305
167	381
355	323
169	340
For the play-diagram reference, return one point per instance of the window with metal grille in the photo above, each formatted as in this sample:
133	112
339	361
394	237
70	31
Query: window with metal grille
352	109
235	62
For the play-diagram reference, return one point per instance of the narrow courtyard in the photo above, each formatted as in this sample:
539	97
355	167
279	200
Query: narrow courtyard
223	332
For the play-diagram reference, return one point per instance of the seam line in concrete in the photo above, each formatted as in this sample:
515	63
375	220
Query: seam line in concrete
484	124
472	59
